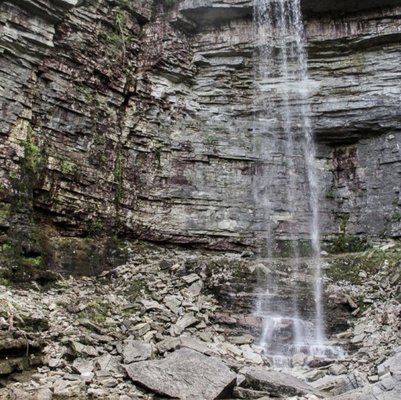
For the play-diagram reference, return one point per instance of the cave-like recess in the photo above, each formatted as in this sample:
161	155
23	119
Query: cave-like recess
345	6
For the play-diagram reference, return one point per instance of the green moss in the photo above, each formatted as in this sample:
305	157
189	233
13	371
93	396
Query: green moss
396	217
348	267
4	212
211	141
121	37
88	93
137	287
331	193
6	247
118	39
287	248
32	157
68	167
33	262
343	222
347	243
95	227
96	311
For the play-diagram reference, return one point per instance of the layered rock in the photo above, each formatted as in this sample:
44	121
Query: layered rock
137	120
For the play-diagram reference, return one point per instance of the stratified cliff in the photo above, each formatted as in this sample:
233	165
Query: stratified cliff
134	119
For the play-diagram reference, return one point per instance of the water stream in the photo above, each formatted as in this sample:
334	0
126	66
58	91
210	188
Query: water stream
286	187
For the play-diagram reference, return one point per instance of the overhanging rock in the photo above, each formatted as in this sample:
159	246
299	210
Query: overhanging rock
208	12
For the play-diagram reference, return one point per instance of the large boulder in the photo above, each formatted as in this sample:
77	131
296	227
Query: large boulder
185	374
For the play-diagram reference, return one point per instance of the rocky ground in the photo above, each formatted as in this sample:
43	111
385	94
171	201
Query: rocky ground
157	328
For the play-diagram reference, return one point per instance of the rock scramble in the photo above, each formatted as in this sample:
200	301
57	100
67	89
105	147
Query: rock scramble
157	327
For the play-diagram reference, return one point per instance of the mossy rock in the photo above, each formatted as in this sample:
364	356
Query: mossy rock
5	209
137	288
347	267
95	311
347	243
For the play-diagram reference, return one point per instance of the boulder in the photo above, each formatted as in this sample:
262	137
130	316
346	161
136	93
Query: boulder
278	384
185	374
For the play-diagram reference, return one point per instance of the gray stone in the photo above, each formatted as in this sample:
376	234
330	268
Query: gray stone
152	305
278	384
80	348
242	393
136	350
352	381
392	365
197	345
243	339
168	344
185	374
337	369
83	366
191	278
107	362
68	389
185	322
172	303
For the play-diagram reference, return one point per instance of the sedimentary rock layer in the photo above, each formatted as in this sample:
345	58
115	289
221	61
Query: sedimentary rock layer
137	120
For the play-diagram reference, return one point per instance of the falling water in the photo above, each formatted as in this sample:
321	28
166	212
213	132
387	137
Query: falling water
286	186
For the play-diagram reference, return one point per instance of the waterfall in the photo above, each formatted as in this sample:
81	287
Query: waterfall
286	186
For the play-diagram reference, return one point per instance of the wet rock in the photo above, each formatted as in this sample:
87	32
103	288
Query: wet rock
326	383
250	355
185	374
298	359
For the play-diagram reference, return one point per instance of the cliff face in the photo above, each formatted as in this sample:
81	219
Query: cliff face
132	119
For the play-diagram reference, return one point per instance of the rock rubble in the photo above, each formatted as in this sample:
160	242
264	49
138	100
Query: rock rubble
150	328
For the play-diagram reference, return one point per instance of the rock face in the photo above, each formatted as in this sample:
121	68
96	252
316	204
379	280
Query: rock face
137	119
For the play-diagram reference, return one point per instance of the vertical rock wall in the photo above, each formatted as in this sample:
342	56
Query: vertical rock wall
354	65
135	120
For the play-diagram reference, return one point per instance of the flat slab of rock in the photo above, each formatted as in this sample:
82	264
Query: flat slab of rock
277	384
185	374
136	350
